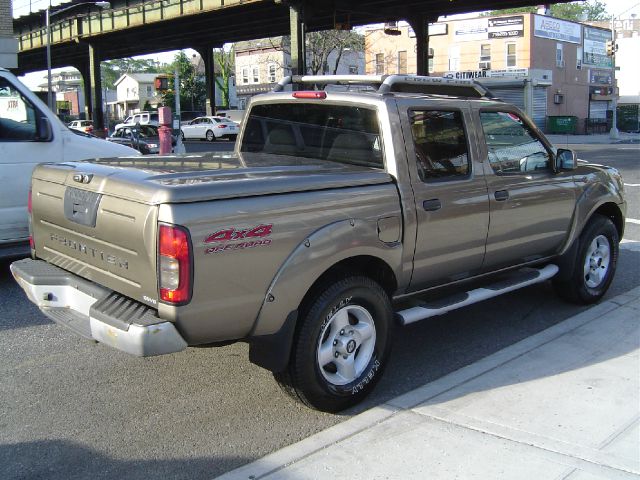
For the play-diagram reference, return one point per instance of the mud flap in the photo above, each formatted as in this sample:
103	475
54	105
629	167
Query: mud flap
273	351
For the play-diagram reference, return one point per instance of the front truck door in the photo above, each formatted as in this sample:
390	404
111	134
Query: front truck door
531	206
20	152
450	195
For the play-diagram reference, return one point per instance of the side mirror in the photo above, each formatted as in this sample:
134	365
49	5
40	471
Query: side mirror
566	160
45	131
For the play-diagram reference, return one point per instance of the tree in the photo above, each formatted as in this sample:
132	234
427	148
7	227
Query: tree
320	46
224	67
591	10
112	70
192	88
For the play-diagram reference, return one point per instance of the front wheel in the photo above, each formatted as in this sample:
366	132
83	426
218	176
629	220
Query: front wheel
595	264
342	345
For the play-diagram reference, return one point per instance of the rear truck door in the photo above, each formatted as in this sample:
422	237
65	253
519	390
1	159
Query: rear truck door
531	206
450	193
90	227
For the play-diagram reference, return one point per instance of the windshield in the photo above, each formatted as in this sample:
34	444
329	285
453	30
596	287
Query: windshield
320	131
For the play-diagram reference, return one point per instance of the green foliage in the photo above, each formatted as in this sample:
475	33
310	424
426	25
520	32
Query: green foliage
224	62
112	70
192	87
147	106
321	44
591	10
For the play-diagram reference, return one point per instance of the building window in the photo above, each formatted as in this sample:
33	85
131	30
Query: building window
402	62
271	69
379	63
512	60
430	66
485	57
454	58
245	75
256	75
149	91
353	69
559	56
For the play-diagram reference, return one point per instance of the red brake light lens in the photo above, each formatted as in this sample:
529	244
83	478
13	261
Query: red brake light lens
174	263
312	94
29	204
222	125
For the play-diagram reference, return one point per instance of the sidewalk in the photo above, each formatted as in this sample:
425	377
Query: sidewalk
562	404
596	139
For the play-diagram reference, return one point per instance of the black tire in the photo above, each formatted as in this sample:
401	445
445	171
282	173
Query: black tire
598	245
210	136
182	136
352	318
233	138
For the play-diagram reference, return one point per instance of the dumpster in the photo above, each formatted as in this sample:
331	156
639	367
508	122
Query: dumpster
562	124
628	118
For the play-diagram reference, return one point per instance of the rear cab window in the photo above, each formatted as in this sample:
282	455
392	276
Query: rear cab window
440	144
346	134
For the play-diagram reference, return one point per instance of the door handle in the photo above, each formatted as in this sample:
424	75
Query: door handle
432	205
501	195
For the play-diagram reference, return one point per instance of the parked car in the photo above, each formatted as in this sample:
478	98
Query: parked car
30	133
146	140
85	126
340	217
210	129
235	115
143	118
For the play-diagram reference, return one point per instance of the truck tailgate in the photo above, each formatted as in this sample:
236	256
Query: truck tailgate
100	237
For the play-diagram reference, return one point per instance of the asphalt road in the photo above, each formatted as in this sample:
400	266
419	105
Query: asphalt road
72	409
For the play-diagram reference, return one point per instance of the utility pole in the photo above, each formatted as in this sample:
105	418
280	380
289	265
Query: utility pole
614	134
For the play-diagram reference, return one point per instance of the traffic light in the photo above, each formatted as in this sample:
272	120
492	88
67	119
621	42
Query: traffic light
612	48
161	83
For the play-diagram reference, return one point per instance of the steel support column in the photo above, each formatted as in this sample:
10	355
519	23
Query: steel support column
420	25
298	32
83	68
206	53
95	85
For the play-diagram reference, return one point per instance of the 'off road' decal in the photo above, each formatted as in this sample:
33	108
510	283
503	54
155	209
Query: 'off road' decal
254	236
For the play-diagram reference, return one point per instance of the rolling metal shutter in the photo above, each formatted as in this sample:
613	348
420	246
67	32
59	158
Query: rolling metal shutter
540	107
514	95
598	109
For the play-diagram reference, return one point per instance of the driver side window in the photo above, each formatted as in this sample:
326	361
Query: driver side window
17	115
512	146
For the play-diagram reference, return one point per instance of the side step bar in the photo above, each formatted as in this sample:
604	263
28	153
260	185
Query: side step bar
522	278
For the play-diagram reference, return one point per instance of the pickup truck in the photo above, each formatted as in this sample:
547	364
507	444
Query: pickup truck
351	206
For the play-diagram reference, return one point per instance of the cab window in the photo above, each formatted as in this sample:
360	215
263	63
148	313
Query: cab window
512	146
440	144
17	115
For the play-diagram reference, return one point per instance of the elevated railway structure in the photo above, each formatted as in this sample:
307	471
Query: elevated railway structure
84	36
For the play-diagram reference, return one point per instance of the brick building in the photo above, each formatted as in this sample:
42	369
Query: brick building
547	66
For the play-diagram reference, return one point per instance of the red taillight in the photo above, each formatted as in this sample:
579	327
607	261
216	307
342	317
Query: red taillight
317	95
222	125
89	129
29	203
174	264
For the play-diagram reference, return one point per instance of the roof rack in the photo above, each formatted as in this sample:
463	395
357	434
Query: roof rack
394	83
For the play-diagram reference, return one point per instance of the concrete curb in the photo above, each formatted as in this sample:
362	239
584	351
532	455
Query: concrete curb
276	461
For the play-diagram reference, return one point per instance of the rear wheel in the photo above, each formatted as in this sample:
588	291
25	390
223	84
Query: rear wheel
341	346
595	264
210	136
181	135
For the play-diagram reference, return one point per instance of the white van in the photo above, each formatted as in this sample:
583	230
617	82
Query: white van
30	133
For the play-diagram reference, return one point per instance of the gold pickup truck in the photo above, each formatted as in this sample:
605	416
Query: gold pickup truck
351	206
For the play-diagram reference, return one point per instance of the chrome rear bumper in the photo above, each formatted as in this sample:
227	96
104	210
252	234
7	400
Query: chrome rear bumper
95	312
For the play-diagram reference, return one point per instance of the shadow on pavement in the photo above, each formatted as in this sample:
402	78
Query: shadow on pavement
65	460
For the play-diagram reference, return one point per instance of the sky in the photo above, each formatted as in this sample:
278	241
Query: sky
625	8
